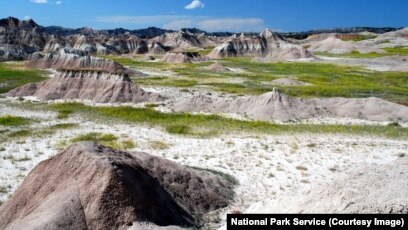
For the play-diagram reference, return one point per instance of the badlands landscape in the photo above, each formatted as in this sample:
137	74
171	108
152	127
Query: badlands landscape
162	129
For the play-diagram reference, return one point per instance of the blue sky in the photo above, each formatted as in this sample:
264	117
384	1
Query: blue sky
211	15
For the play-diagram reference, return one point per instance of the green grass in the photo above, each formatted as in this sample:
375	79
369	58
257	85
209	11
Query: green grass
106	139
391	51
21	133
358	37
213	125
326	80
14	121
63	113
14	75
38	132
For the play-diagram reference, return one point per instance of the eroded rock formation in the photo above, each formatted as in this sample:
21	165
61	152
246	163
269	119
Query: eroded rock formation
89	186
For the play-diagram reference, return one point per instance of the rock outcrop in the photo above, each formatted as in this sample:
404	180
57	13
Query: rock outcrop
74	59
217	67
278	106
18	38
336	45
267	46
89	186
182	57
94	85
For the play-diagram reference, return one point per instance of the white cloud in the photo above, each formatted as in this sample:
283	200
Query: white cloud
27	17
58	2
176	22
194	5
40	1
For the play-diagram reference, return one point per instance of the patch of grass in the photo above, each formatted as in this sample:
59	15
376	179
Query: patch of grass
3	189
136	63
210	125
15	75
14	121
164	81
25	158
159	145
105	139
151	105
21	133
128	144
357	37
54	128
390	51
179	129
63	113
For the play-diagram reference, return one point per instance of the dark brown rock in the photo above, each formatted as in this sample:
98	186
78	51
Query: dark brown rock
89	186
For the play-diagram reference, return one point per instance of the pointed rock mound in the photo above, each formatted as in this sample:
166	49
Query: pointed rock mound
97	86
182	57
89	186
217	67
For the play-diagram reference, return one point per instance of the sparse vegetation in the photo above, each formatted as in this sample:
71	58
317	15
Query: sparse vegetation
15	75
390	51
179	129
106	139
3	189
357	37
13	121
325	80
210	125
63	113
158	145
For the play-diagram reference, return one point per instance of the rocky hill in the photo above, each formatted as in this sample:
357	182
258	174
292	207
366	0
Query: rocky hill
94	85
267	46
89	186
276	105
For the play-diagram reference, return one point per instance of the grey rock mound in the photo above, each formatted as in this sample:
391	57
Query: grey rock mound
267	46
336	45
89	186
76	60
217	67
97	86
182	57
279	106
379	189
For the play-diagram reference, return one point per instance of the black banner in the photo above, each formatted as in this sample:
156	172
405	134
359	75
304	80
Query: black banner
315	221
